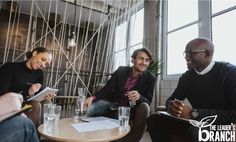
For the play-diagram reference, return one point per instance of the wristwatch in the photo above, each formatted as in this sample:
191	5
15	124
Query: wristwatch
194	113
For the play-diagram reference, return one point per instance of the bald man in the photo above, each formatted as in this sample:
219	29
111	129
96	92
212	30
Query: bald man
209	86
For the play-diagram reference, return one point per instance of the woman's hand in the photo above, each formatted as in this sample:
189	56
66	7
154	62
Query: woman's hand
34	88
49	97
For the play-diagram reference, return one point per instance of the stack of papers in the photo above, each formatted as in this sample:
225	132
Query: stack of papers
96	123
99	118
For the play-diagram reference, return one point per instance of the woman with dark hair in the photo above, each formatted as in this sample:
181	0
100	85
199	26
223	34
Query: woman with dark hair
27	78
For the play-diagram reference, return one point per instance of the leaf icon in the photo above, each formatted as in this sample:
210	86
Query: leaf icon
195	123
207	121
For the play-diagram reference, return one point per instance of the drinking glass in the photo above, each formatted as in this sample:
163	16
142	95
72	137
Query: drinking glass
57	113
124	114
82	91
46	108
80	107
51	118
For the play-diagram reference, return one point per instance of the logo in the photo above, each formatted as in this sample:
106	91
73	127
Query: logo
214	133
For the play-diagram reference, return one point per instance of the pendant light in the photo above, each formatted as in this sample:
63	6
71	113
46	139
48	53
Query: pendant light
72	41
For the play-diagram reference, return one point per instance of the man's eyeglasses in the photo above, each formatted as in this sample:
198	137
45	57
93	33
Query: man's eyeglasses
191	52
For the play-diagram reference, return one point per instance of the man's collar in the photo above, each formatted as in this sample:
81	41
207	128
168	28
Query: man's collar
207	69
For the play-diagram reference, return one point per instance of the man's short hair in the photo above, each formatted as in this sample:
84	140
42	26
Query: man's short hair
135	53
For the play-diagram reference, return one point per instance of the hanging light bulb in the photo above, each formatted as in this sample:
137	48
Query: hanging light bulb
72	42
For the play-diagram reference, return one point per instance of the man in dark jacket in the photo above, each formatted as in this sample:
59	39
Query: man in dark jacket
209	86
127	84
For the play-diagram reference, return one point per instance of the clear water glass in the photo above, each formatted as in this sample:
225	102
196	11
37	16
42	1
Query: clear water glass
57	113
46	108
51	122
80	107
49	116
124	114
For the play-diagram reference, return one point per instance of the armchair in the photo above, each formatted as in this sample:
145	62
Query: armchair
137	122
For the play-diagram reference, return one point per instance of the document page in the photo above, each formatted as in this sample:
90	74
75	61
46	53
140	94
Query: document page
40	96
99	118
166	114
94	125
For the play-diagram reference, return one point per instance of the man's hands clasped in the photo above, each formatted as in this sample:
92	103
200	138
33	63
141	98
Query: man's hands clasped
179	109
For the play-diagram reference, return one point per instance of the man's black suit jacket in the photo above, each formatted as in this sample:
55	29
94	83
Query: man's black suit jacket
115	86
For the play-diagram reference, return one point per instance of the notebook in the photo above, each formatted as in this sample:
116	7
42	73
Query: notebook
40	96
169	116
12	114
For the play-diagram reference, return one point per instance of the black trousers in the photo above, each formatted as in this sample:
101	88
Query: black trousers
166	129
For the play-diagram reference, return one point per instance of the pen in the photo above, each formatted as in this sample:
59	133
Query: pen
29	83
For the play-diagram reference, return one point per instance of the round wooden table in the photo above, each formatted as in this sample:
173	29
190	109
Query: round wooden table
64	132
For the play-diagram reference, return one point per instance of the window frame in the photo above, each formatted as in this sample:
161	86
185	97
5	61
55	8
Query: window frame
139	6
204	30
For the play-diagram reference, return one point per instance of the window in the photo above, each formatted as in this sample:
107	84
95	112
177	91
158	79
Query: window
223	36
176	45
120	45
178	32
213	19
219	5
125	45
136	32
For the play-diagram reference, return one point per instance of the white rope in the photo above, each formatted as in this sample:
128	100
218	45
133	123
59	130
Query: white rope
85	40
53	45
87	34
8	30
101	57
16	33
57	40
71	65
57	53
29	27
43	36
47	26
78	35
90	66
34	29
110	45
65	54
88	49
98	47
42	31
12	31
45	39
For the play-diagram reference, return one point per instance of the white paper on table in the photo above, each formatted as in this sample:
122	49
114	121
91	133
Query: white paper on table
94	125
99	118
